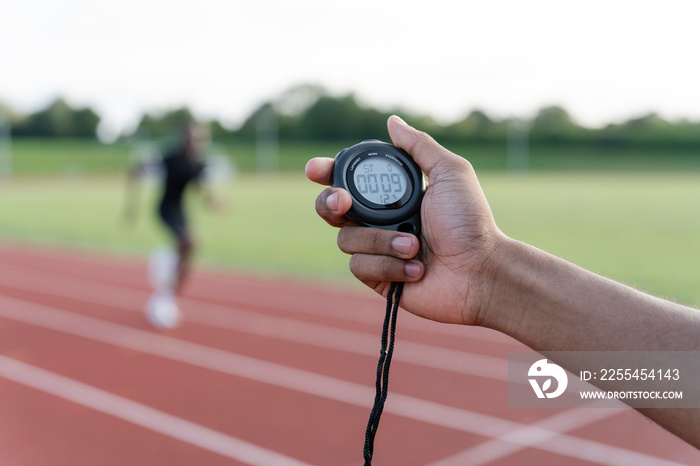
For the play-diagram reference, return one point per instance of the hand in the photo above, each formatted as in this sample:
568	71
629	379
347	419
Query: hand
215	204
211	202
447	275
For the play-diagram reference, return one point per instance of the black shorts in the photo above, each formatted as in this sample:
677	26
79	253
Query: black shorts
174	219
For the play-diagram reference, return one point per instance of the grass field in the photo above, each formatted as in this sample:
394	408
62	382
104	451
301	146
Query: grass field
641	228
73	159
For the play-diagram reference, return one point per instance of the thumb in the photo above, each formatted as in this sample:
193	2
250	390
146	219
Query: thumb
421	146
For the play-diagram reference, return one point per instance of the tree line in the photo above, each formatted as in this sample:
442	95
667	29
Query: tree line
57	120
309	112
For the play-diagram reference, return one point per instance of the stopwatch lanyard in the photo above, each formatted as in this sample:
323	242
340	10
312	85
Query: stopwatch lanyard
388	337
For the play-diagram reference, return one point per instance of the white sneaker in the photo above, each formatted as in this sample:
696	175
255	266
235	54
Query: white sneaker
162	311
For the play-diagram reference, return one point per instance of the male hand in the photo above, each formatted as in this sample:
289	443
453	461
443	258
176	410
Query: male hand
447	273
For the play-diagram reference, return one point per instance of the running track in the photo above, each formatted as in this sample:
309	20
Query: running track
264	372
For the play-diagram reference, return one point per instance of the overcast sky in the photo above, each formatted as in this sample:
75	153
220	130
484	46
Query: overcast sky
602	60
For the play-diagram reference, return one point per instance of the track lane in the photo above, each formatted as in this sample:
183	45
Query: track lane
314	384
275	296
37	428
140	415
317	429
398	424
256	323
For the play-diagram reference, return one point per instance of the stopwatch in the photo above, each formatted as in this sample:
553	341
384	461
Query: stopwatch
385	183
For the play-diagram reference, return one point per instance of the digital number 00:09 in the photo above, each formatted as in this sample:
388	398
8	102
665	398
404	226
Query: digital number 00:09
639	374
388	183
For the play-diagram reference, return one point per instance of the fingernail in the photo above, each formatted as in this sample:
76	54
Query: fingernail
413	269
402	245
399	119
332	201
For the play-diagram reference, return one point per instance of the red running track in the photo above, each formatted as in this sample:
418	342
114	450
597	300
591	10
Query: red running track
263	371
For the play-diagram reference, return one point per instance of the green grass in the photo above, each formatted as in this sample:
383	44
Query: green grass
76	158
270	224
69	158
640	228
628	214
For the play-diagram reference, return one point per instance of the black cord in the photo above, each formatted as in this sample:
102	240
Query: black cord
382	385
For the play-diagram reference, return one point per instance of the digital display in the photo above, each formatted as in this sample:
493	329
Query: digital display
380	180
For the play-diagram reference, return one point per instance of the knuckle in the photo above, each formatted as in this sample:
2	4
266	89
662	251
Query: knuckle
424	141
374	242
382	268
464	165
355	265
387	267
320	205
342	241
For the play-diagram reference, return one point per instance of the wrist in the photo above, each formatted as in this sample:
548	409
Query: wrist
543	300
503	277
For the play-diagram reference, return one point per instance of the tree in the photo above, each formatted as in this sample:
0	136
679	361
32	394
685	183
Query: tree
329	118
85	122
651	129
553	124
59	120
164	125
477	126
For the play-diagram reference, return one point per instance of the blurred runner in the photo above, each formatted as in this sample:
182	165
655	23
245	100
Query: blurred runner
181	166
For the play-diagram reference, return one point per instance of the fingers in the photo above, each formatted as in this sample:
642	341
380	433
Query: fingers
371	269
381	255
319	170
377	255
332	205
353	240
421	146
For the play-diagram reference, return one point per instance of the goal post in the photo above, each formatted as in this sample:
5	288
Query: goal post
518	145
267	140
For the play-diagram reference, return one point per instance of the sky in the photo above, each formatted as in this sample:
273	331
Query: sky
604	61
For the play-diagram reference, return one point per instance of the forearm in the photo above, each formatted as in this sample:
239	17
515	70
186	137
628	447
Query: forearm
551	304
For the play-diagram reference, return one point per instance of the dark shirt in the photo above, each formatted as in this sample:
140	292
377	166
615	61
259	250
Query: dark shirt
179	172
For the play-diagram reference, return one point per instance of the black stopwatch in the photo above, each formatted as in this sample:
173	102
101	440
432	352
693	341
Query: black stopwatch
385	183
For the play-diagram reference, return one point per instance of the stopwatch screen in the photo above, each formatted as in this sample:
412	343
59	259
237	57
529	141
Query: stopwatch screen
380	180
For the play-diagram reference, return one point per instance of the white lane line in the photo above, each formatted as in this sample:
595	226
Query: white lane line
286	377
256	323
567	421
141	415
475	333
